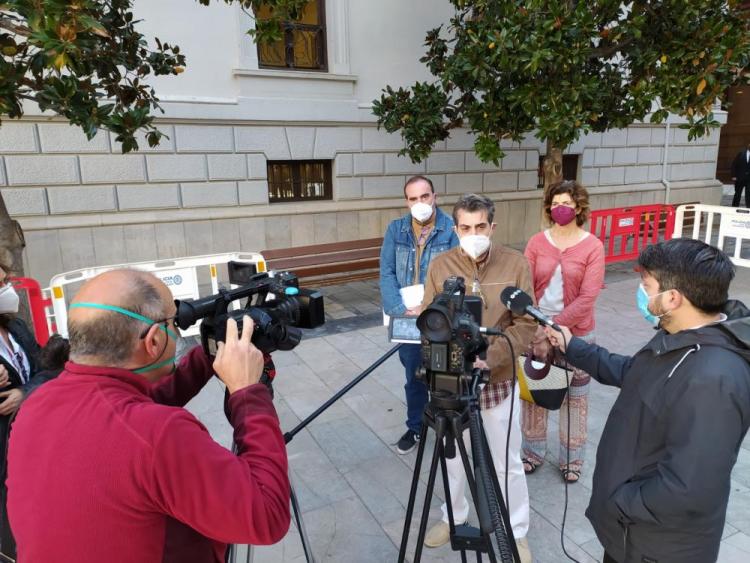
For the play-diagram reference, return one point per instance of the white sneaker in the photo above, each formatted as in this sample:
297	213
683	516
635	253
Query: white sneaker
438	535
524	552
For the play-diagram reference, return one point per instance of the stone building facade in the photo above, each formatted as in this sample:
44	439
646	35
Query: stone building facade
206	190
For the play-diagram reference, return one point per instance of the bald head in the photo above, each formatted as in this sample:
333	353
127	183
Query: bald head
109	337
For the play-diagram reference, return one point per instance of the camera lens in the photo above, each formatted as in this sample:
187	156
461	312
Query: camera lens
435	325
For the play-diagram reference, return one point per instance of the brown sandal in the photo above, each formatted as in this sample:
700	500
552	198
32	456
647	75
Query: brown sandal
529	465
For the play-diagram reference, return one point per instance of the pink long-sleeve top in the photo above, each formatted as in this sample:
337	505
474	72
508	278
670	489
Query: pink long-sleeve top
582	267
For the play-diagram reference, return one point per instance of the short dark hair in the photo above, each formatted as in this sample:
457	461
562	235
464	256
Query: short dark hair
418	178
577	193
702	273
472	203
111	336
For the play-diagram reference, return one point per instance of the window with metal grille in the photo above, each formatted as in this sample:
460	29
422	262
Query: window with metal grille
570	168
303	46
299	180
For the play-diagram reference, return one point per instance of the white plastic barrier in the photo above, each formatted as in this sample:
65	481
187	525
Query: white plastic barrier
179	275
733	228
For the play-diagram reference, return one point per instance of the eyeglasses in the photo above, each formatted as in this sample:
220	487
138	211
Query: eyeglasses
166	322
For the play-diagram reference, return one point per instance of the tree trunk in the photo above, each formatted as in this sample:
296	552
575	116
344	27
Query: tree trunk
12	243
552	166
552	169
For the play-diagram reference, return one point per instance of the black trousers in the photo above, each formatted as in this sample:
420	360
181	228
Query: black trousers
738	187
608	559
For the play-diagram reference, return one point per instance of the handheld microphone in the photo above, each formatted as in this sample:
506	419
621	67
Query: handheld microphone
520	303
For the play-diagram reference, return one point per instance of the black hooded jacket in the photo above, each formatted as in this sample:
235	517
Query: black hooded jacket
662	477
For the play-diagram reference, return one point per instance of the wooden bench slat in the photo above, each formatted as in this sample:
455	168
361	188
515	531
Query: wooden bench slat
331	263
296	251
300	261
336	268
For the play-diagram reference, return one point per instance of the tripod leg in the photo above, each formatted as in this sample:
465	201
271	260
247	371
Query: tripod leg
504	509
475	493
437	453
449	502
412	493
300	525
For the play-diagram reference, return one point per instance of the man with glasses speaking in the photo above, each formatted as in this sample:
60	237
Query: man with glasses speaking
106	465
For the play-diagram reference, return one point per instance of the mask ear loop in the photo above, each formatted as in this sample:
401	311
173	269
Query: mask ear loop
153	366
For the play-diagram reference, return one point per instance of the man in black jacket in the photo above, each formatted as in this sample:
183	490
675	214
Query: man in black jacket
662	475
740	175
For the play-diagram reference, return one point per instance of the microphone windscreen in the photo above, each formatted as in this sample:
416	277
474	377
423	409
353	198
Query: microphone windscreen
516	300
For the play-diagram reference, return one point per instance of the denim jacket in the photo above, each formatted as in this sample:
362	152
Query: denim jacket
399	251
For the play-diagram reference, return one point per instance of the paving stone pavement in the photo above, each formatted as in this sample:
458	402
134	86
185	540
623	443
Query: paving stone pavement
351	484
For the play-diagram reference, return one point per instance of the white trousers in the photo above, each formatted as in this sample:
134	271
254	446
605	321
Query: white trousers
495	422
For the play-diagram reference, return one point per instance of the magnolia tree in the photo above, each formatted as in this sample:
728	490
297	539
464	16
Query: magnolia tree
86	61
556	69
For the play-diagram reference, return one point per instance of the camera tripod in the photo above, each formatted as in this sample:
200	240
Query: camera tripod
288	436
448	416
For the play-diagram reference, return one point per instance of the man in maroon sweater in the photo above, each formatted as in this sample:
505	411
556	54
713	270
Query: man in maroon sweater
106	465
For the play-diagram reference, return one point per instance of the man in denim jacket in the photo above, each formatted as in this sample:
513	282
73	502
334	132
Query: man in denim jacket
410	243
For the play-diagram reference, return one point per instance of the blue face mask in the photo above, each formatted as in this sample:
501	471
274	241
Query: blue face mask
132	315
643	299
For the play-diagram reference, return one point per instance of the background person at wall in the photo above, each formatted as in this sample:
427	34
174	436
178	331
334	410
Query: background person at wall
662	476
567	266
409	245
740	175
105	465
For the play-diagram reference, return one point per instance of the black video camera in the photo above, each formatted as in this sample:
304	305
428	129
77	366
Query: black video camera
451	337
277	305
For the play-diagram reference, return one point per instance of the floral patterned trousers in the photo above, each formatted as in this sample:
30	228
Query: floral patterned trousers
534	423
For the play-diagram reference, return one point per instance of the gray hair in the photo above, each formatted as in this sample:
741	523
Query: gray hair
111	336
472	203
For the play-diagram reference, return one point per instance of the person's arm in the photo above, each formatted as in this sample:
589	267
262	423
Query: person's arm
735	165
191	375
520	332
598	362
705	427
582	307
241	498
389	288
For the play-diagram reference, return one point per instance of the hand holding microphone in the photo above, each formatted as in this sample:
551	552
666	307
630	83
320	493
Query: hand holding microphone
519	302
558	339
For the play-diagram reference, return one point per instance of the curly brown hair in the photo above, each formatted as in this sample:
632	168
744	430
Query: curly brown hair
577	193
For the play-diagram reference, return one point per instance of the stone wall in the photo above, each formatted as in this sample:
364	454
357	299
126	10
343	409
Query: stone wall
204	189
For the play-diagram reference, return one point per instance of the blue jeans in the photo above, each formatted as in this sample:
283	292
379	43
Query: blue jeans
416	391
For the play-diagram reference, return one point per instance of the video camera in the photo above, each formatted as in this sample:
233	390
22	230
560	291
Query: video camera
275	302
451	337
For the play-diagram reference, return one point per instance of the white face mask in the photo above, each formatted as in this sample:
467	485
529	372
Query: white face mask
8	300
475	245
421	211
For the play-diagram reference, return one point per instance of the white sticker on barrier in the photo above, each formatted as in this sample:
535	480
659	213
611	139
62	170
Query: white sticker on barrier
182	282
735	226
733	232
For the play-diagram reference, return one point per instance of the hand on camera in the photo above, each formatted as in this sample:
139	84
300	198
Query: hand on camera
414	311
10	401
481	364
238	363
558	339
4	379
